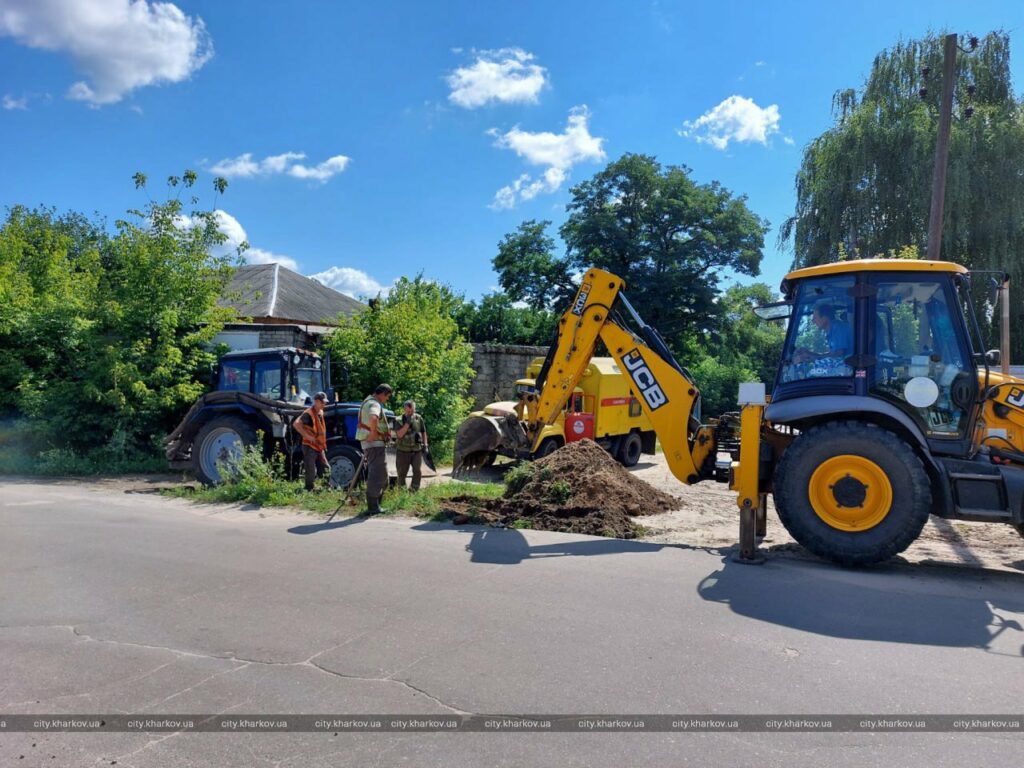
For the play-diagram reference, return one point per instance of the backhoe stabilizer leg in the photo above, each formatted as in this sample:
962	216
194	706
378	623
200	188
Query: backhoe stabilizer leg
746	479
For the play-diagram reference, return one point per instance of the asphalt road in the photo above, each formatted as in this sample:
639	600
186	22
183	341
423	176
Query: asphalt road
128	603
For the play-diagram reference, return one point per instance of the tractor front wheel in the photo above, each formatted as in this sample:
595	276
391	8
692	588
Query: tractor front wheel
343	460
852	493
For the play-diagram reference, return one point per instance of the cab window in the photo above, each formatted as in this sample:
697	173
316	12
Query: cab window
920	364
821	336
234	375
267	378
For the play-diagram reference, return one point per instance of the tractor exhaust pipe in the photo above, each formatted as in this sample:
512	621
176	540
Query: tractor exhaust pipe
1004	329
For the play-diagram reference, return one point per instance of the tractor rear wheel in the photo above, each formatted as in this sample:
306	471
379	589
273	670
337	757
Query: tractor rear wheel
851	492
218	445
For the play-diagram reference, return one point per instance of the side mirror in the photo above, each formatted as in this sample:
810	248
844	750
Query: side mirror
993	294
993	357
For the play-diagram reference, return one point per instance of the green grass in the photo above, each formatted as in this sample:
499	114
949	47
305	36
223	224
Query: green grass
427	502
61	461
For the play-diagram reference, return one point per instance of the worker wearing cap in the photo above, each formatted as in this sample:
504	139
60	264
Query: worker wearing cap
372	433
313	431
412	440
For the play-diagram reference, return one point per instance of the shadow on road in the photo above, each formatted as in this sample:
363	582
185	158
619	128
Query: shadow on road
345	522
885	604
507	546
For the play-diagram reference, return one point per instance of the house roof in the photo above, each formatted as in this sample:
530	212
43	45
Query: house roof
273	291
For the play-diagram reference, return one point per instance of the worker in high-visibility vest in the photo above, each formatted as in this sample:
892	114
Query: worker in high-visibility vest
313	431
372	433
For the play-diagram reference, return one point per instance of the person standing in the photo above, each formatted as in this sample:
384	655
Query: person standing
372	433
412	441
312	429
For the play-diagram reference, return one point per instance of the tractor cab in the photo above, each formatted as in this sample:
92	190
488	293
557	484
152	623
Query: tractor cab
287	374
890	336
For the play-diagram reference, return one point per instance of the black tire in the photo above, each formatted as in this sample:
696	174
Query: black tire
219	439
343	461
910	489
547	447
630	449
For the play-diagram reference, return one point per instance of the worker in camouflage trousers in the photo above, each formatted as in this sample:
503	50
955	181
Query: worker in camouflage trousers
373	433
412	441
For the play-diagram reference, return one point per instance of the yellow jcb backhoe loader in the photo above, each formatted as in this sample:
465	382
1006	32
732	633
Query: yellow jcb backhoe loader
884	408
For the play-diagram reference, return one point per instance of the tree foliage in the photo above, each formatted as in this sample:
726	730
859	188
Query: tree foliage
528	270
866	183
106	335
669	237
497	319
410	339
745	348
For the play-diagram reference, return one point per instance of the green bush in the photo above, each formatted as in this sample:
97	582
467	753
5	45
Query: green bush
410	340
106	336
517	478
559	492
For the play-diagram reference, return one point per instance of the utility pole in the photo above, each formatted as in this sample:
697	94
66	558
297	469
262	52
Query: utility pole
942	149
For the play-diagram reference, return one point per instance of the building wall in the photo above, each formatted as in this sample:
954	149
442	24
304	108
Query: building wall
286	336
497	367
269	334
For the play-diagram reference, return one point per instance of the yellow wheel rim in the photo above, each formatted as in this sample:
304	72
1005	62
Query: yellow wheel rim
850	493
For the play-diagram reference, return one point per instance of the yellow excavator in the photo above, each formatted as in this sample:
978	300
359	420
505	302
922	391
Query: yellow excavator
885	407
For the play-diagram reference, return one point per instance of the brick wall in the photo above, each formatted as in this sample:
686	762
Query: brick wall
285	336
497	367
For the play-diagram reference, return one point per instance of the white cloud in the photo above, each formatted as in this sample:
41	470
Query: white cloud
12	103
558	151
119	45
235	234
321	172
736	119
352	282
244	166
506	75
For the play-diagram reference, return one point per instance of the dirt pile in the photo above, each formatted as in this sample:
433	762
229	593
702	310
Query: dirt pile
578	489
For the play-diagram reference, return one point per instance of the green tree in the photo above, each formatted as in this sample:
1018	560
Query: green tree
106	335
746	348
410	339
669	237
528	271
866	183
496	319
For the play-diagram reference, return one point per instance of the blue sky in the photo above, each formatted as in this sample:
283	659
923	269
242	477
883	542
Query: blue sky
365	141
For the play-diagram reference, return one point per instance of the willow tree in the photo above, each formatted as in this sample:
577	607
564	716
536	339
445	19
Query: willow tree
864	186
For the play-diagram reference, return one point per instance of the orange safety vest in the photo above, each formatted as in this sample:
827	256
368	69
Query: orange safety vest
319	441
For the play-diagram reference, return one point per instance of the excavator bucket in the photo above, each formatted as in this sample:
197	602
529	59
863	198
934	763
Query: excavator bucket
481	436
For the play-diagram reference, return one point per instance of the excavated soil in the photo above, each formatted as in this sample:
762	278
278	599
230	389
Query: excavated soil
578	489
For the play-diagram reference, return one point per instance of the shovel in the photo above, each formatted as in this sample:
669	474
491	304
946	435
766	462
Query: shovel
349	498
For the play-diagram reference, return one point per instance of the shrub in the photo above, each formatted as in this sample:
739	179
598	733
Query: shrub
559	492
517	478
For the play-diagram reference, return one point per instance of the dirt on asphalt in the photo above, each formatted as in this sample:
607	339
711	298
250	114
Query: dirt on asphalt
578	489
705	516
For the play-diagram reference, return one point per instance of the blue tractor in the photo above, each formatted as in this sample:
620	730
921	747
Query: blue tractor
256	393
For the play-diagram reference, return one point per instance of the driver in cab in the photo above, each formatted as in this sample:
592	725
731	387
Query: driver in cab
838	335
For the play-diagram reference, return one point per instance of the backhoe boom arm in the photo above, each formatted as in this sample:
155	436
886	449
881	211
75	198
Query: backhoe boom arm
667	393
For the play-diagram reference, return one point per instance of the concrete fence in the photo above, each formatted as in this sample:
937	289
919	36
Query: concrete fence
497	367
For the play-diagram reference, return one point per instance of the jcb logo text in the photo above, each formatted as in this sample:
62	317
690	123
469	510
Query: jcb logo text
581	299
644	380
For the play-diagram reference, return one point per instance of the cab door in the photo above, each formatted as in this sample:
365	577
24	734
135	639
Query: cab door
922	356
